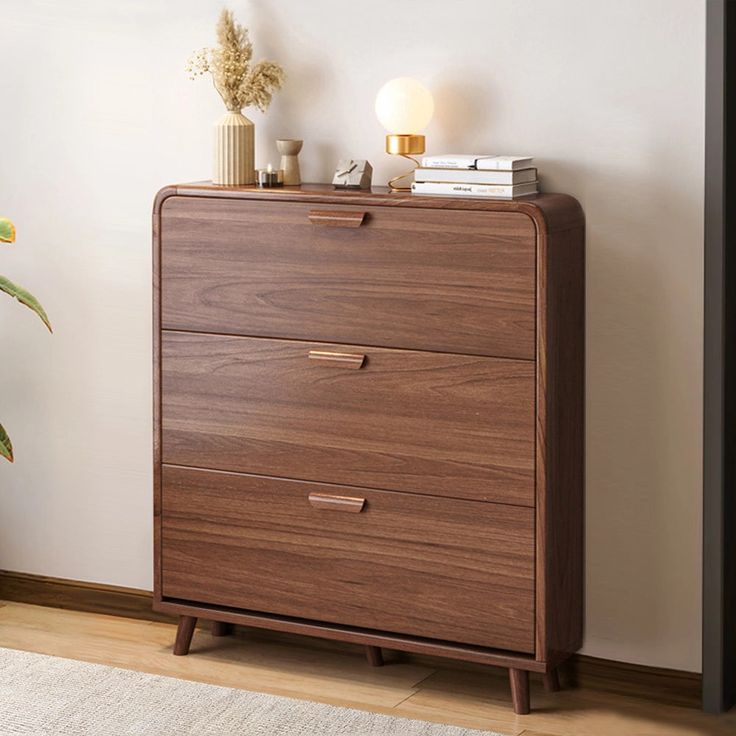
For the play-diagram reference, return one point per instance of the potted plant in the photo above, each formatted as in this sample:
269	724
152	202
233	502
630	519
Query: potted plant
240	84
7	235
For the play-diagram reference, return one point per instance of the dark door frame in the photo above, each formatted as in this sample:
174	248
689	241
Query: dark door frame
719	374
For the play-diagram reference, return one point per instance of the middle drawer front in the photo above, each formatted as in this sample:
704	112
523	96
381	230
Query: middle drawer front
431	567
430	423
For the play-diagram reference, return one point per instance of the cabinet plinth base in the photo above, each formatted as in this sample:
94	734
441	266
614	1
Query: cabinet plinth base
518	667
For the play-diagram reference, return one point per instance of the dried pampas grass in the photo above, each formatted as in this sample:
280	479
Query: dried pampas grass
239	84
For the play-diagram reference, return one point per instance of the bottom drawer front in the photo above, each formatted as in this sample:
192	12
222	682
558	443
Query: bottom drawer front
419	565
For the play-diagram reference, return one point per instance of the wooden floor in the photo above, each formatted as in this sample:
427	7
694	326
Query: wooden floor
313	670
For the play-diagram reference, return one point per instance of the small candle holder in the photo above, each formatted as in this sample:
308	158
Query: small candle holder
270	177
289	150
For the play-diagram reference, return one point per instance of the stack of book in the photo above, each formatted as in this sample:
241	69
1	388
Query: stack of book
471	175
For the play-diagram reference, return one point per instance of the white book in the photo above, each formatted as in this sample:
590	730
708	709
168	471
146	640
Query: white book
484	162
498	191
473	176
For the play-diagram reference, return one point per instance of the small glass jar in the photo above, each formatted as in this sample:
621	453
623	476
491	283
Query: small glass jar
270	177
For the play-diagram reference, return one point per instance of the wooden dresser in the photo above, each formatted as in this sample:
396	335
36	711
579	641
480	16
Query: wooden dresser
369	420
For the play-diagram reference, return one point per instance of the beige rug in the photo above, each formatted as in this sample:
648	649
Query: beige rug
50	696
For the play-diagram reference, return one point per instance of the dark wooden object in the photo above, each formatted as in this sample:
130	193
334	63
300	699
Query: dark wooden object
668	687
184	633
421	565
551	681
719	367
421	279
519	680
417	362
428	423
374	656
219	628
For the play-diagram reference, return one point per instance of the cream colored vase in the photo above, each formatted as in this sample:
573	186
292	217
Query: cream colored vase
234	150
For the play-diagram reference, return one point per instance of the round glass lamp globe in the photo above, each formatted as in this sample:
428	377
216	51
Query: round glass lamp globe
404	106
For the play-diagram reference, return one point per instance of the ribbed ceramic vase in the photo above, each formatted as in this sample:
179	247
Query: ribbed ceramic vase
234	150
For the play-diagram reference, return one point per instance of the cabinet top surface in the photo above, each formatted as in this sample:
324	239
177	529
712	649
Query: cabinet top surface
550	210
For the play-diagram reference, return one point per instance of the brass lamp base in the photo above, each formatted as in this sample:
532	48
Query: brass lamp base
406	146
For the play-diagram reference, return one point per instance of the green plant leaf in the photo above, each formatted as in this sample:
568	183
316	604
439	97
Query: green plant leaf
7	231
6	447
24	297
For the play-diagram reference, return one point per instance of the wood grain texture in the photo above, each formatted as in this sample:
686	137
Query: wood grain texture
184	632
332	502
257	543
417	279
551	681
633	681
551	211
431	689
251	660
519	681
553	224
220	628
374	656
434	423
468	653
78	595
156	385
655	684
560	442
337	218
342	360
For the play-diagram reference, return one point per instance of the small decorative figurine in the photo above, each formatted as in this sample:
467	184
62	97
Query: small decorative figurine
289	150
353	174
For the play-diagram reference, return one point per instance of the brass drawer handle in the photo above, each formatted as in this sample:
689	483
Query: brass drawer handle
346	360
337	503
334	218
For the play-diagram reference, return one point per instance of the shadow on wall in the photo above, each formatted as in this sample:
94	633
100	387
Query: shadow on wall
304	90
462	114
636	446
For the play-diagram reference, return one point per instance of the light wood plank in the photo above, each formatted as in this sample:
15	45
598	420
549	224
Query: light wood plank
482	701
238	661
309	669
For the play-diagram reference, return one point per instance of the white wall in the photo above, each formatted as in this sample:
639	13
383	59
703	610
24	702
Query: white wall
98	113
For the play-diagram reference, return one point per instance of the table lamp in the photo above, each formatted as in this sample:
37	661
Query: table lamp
404	107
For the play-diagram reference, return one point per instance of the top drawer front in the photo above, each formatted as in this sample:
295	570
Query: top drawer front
451	281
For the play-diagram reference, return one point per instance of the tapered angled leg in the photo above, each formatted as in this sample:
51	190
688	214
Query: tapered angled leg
374	656
551	681
519	690
184	634
220	628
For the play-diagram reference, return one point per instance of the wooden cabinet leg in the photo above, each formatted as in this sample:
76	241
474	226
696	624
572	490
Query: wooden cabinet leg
551	681
220	628
374	656
184	635
519	680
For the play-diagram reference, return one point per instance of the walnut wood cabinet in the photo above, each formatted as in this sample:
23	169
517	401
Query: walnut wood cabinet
368	420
